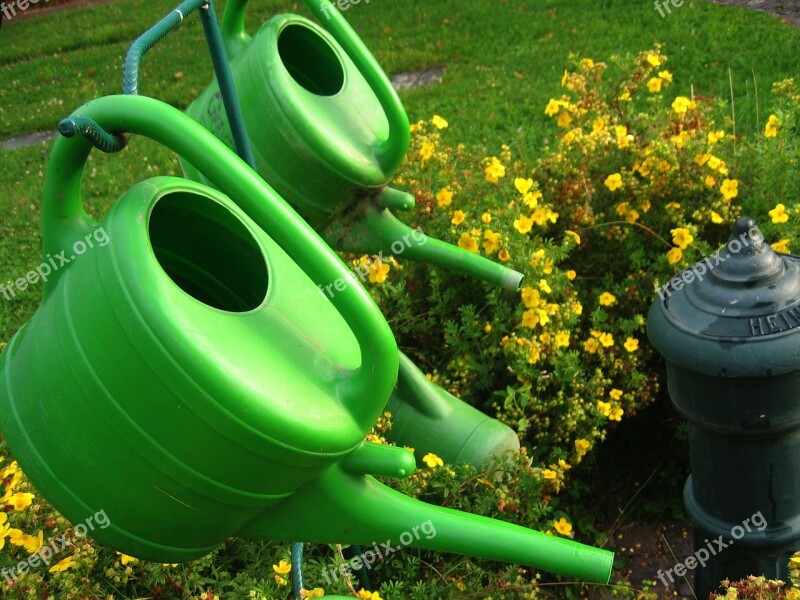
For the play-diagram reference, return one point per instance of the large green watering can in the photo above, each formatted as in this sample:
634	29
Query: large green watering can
188	379
327	131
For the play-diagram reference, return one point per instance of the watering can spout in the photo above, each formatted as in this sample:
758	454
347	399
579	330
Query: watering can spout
374	229
346	506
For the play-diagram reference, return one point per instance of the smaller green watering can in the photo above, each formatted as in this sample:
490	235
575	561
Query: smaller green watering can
188	379
328	132
315	101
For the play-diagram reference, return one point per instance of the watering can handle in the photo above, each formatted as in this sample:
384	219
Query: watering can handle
393	149
65	221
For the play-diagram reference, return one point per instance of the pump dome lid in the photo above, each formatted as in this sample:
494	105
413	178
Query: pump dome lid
736	313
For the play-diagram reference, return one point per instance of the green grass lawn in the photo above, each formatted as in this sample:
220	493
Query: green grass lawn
504	60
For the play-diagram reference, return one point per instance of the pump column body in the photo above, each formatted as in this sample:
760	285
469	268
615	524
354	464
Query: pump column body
729	329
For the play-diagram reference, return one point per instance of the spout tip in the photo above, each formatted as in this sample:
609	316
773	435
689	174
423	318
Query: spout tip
512	280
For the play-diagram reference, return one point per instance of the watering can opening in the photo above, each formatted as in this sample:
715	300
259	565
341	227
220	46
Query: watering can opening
310	60
208	252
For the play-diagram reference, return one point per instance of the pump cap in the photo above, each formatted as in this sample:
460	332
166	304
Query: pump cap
734	313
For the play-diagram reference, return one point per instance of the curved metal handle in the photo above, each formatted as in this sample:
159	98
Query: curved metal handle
392	150
65	220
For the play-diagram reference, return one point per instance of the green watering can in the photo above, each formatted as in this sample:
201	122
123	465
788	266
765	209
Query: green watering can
188	379
315	101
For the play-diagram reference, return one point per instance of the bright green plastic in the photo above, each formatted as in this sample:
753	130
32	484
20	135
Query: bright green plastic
315	101
189	379
427	418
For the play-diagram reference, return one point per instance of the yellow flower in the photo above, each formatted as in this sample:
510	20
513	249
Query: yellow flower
604	407
582	446
613	181
127	560
282	568
615	414
553	107
530	297
544	286
20	500
681	139
523	224
591	346
587	63
598	125
523	185
631	344
562	526
606	339
539	216
491	241
624	96
534	355
607	299
378	271
503	255
531	199
716	217
458	217
654	60
432	460
574	236
710	181
486	217
427	150
444	197
771	128
549	474
570	136
315	593
623	139
494	170
562	339
681	237
439	122
468	243
571	275
615	394
365	595
488	328
62	565
715	136
530	319
564	120
702	159
779	214
33	543
683	104
729	188
674	255
665	75
654	85
781	245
